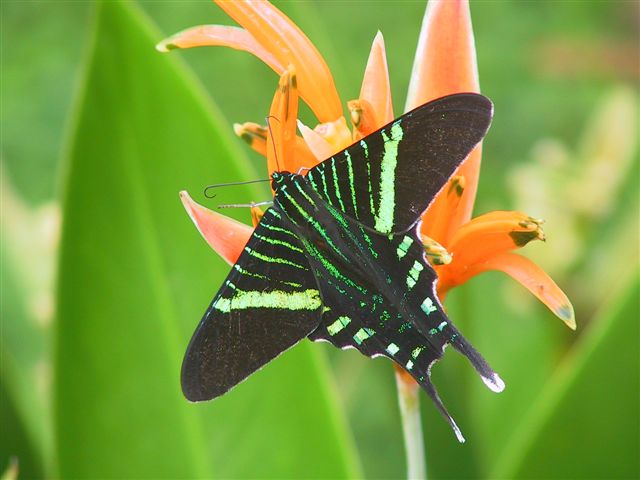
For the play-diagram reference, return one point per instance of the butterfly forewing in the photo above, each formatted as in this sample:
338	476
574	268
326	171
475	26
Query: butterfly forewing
388	179
269	302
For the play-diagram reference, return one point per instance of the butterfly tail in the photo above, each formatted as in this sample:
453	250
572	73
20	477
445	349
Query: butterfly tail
491	379
433	393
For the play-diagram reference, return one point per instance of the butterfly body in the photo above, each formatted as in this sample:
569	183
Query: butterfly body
338	258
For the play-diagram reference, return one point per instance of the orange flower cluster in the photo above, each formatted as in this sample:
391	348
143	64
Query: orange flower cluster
459	247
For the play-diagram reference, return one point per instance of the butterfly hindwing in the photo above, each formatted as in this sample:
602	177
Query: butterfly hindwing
403	321
269	302
388	179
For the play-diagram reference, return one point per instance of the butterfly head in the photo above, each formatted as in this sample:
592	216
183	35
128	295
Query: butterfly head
278	179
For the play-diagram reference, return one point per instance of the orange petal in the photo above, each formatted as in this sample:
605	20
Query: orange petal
320	147
461	212
282	121
223	36
256	215
445	63
491	234
532	277
225	235
362	117
280	36
256	136
376	89
435	221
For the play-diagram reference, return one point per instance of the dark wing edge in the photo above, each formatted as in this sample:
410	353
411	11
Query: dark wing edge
423	148
268	303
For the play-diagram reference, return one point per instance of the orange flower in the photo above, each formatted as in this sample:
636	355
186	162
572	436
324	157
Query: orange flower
445	63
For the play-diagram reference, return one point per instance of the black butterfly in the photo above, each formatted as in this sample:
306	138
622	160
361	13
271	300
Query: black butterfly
338	258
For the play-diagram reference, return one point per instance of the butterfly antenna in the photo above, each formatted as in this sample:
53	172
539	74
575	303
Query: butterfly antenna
229	184
246	205
273	139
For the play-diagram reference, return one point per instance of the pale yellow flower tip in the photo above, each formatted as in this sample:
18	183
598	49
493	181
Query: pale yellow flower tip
336	133
166	46
567	315
320	147
436	253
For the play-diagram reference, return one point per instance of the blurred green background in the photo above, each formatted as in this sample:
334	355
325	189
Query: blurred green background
104	277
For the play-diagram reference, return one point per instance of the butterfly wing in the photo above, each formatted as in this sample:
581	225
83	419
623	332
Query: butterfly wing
268	303
413	330
388	179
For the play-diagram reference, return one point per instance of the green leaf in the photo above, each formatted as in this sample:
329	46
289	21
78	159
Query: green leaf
507	339
16	443
135	278
586	423
24	354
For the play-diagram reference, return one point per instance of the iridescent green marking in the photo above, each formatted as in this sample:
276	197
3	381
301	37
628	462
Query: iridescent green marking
439	328
241	300
351	184
241	270
338	325
333	284
372	206
362	334
414	274
335	183
416	351
273	212
404	246
428	306
405	326
339	218
273	228
331	268
275	241
313	182
365	149
324	186
384	219
392	349
268	259
312	221
368	241
409	365
304	194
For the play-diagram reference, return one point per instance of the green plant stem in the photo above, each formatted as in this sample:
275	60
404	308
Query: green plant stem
408	397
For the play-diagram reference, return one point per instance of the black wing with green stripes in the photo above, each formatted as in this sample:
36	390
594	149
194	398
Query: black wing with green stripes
267	304
401	319
388	179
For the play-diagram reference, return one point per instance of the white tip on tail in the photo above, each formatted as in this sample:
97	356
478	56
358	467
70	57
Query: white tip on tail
495	383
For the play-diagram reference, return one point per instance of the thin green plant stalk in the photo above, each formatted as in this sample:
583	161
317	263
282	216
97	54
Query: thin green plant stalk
409	400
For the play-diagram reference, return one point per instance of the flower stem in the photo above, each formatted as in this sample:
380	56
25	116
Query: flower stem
409	400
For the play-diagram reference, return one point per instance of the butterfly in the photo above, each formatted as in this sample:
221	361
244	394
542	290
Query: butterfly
338	258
